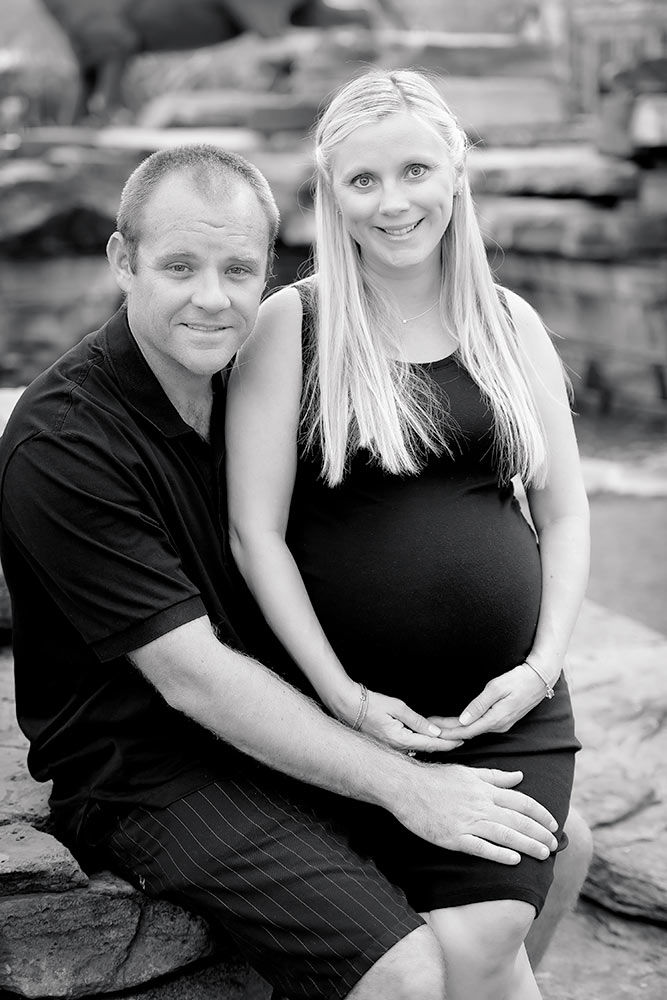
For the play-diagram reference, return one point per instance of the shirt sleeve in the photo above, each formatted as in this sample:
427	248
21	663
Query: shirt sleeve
92	530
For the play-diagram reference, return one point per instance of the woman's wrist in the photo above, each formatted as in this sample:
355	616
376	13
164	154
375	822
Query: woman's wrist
548	671
346	700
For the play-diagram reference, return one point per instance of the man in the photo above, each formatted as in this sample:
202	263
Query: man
173	754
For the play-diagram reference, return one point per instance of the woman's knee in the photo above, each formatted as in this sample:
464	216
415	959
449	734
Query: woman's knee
487	935
414	969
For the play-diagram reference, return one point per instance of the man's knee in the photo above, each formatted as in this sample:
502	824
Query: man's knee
414	969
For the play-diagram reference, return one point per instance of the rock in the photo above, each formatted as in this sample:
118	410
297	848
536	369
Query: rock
596	955
5	604
620	697
22	799
474	54
102	938
31	861
564	171
31	192
648	125
266	113
572	228
10	735
8	400
48	305
592	306
228	979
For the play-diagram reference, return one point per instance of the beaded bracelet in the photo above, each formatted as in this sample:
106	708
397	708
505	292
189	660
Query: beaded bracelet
363	708
550	690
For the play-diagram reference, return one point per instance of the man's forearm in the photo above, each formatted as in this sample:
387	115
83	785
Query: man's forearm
249	706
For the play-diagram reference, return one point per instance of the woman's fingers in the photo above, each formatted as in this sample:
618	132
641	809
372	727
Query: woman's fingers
426	744
414	721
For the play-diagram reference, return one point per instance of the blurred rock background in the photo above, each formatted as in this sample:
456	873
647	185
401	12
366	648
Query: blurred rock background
566	102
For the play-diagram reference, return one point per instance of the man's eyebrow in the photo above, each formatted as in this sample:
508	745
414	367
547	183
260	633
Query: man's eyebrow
166	255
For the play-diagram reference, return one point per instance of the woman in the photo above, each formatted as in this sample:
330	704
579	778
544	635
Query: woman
376	419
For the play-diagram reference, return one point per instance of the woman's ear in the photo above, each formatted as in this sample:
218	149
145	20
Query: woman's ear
119	261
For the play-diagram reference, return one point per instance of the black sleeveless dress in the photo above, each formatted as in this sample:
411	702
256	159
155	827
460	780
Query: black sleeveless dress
428	586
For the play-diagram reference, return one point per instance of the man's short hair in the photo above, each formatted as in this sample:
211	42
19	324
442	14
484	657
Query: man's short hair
207	167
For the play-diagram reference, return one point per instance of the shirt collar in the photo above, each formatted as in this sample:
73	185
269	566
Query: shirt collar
138	381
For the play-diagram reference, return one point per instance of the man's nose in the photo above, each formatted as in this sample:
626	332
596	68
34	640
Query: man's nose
211	293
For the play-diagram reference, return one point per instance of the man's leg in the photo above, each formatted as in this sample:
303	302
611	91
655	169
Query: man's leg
569	874
316	921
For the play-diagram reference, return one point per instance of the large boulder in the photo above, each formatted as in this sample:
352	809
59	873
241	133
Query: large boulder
101	938
563	171
620	695
597	955
572	228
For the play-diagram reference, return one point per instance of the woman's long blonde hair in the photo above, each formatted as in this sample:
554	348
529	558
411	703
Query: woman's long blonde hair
358	394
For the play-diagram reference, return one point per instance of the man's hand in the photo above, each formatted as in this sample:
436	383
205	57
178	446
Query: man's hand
504	701
476	811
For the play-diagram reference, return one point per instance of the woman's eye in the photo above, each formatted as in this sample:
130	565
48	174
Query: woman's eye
416	170
362	181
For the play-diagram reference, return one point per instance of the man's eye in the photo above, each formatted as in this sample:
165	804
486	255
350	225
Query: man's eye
178	268
362	181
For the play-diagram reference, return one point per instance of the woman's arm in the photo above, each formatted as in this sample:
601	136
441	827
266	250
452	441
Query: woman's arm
560	514
262	427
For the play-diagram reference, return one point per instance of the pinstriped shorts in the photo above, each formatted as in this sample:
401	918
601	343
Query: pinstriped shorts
308	913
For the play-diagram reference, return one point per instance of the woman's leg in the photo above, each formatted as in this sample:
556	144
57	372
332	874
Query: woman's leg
485	958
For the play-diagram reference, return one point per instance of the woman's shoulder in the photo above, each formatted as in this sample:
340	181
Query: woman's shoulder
524	318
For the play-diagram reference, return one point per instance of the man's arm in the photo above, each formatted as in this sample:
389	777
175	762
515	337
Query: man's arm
473	810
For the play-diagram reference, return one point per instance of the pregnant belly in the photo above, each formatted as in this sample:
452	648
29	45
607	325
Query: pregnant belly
426	608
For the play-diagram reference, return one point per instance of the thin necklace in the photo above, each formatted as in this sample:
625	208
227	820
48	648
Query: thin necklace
410	319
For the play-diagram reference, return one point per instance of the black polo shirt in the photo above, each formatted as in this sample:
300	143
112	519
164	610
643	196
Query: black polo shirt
113	534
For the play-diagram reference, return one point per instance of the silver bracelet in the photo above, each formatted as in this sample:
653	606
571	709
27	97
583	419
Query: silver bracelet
550	690
363	708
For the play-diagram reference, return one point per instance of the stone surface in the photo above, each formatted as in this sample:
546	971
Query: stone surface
618	676
572	228
48	305
563	171
31	861
22	800
269	112
648	124
102	938
596	955
227	979
609	318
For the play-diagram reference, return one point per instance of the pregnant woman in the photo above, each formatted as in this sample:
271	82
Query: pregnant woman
377	418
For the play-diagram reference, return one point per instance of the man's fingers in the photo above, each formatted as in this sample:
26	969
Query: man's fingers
528	827
511	839
503	779
509	798
470	844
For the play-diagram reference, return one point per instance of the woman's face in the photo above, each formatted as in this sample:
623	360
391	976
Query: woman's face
394	185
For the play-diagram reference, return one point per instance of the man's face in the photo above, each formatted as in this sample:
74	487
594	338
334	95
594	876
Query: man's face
200	271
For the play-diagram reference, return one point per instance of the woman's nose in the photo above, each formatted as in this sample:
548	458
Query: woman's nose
393	200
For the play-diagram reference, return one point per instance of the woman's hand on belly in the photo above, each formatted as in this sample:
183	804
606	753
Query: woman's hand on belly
391	721
504	700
